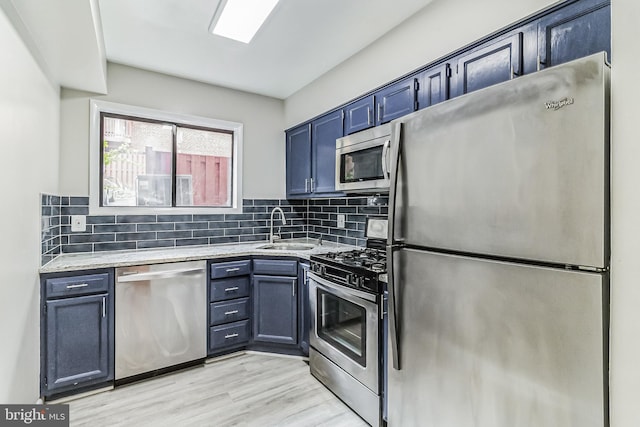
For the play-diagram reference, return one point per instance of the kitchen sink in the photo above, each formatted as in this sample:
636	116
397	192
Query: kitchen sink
288	246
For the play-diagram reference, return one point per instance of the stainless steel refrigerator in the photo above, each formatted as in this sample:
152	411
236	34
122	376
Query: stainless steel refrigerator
499	254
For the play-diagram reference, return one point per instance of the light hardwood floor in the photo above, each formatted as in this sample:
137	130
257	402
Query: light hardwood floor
246	390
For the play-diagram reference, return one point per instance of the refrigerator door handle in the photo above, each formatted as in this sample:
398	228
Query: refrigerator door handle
396	149
393	311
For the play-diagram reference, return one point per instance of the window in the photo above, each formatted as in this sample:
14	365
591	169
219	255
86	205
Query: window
154	159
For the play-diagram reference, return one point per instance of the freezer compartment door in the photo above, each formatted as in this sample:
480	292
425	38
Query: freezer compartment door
518	170
486	344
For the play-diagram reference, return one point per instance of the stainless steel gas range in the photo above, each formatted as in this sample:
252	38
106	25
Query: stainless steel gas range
346	292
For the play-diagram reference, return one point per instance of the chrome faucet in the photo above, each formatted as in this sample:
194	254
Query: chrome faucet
284	222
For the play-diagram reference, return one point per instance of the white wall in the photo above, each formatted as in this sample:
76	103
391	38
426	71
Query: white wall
625	221
29	134
263	119
440	28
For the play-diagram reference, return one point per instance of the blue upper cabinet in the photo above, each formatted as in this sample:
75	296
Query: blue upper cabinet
359	115
311	157
396	100
493	62
433	85
574	32
299	161
324	132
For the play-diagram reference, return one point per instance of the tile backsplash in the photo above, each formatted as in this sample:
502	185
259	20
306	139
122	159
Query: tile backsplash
305	218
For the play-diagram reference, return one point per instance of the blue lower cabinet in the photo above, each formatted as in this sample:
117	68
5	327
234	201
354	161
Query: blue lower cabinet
77	333
229	336
275	309
229	305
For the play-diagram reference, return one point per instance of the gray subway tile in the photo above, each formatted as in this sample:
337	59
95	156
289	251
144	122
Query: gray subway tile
225	239
192	242
135	218
117	246
237	231
224	224
147	244
185	234
209	217
175	218
79	201
101	219
254	209
357	201
147	235
91	238
74	210
191	225
234	217
114	228
154	226
72	249
218	232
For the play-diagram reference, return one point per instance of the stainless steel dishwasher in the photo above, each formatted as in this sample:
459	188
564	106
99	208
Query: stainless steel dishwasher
161	316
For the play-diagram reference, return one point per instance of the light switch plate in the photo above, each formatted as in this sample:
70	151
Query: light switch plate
341	219
78	223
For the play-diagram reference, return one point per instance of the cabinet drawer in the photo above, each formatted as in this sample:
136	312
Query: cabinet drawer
224	289
77	285
228	335
230	269
228	311
275	267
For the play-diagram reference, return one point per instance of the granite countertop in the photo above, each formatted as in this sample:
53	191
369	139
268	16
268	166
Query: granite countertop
85	261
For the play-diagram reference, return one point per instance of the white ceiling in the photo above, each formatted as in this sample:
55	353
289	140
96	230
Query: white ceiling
301	40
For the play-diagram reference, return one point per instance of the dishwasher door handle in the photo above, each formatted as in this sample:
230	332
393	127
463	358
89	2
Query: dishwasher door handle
142	277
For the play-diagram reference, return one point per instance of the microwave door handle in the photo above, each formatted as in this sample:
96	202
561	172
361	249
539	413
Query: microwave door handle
385	159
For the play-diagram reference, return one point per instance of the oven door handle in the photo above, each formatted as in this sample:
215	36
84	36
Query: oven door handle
342	291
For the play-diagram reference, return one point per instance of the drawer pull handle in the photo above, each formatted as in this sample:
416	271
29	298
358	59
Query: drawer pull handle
229	313
234	288
79	285
226	337
231	270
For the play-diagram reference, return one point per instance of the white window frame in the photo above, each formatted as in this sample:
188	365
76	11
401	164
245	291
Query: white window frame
97	107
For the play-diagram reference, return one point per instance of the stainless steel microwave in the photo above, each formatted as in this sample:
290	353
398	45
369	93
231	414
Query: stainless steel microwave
362	161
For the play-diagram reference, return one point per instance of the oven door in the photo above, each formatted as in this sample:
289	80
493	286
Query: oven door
345	328
362	161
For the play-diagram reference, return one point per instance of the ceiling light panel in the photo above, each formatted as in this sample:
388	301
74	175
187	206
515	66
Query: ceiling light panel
240	19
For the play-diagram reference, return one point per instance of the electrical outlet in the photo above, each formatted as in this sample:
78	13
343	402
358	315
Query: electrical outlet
78	223
341	219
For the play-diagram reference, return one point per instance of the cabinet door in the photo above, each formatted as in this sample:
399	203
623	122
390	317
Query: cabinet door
359	115
396	100
433	85
77	348
324	132
298	160
574	32
494	63
275	314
